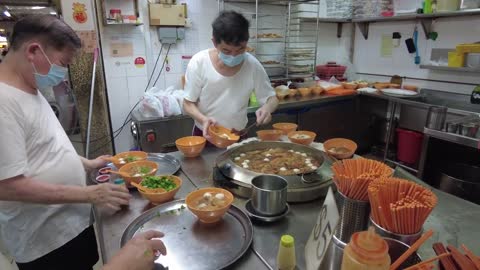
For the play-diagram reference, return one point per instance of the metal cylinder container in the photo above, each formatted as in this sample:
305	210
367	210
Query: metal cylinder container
269	194
436	117
408	239
353	217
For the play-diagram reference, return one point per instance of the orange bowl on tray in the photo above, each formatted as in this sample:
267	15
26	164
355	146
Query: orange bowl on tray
137	170
282	95
202	207
362	85
285	127
163	196
269	134
222	137
191	146
123	158
302	137
340	148
304	92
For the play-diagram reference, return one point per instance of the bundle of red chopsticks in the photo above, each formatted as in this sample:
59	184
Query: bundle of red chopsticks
450	258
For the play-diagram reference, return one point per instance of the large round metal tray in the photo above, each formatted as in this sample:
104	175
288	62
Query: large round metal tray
304	187
192	244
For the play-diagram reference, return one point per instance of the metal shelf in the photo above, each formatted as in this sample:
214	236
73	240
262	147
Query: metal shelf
425	19
454	138
454	69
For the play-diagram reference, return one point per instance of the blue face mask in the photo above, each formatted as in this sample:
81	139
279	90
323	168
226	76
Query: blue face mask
231	60
54	77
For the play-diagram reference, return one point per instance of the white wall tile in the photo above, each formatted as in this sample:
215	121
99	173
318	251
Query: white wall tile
136	87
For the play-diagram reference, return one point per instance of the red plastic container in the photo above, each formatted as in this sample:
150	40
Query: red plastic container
409	145
325	72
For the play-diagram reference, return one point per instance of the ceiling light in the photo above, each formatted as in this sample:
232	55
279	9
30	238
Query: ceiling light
6	13
37	7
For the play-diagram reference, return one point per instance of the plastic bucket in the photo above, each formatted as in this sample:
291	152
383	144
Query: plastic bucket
409	145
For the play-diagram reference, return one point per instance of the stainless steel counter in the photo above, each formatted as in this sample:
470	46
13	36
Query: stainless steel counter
454	220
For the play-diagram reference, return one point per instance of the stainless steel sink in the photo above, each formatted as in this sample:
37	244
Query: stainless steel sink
451	100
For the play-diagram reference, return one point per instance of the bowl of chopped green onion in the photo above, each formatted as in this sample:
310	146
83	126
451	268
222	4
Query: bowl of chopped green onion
160	188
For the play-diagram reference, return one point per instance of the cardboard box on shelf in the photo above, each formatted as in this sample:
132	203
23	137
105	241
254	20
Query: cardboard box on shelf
167	15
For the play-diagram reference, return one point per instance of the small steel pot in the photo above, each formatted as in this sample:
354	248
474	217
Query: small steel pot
269	194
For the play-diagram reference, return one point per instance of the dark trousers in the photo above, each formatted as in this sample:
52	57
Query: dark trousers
80	253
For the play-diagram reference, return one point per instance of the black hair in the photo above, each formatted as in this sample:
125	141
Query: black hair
50	30
230	27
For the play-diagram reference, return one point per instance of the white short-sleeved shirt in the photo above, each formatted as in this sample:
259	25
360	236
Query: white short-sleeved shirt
225	98
33	143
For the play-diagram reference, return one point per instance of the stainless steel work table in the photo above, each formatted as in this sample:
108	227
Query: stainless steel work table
454	220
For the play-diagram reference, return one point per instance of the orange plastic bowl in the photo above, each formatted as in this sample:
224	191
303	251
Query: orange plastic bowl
282	96
285	127
304	92
269	134
340	142
349	85
208	216
161	197
222	137
139	155
129	169
191	146
293	92
292	136
317	90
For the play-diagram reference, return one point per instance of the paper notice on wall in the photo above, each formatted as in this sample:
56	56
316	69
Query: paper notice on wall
123	49
386	46
185	61
89	40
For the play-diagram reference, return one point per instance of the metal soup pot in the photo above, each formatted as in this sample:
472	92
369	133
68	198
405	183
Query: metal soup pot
269	194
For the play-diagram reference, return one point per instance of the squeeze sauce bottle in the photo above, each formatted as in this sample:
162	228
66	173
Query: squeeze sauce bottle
366	251
286	253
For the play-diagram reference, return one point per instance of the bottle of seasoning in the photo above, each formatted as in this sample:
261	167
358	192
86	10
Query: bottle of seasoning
120	181
286	253
366	250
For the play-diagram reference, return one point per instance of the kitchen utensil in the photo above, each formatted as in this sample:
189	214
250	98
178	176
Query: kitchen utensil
461	180
415	40
407	239
285	127
206	215
222	137
336	143
269	134
188	239
191	146
147	190
302	137
160	195
353	217
468	129
436	117
243	131
399	93
252	213
269	194
300	188
452	127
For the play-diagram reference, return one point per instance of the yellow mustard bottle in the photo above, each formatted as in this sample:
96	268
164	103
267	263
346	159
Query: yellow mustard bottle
366	251
286	253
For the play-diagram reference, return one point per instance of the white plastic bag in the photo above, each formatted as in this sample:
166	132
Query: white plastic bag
150	106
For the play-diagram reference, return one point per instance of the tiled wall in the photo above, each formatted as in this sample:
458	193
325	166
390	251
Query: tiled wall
126	83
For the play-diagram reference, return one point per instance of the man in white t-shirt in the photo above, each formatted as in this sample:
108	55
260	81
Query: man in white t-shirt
44	201
219	81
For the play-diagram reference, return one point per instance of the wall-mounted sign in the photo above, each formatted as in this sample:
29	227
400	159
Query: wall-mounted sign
139	62
78	14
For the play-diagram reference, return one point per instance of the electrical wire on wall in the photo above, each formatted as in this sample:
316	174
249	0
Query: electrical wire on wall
128	118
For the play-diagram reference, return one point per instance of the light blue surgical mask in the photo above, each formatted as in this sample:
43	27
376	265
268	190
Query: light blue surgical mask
54	77
231	60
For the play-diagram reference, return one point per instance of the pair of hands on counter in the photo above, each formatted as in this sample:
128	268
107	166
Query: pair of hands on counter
141	251
106	195
263	117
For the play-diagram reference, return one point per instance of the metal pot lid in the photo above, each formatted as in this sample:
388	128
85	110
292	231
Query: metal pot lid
244	177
